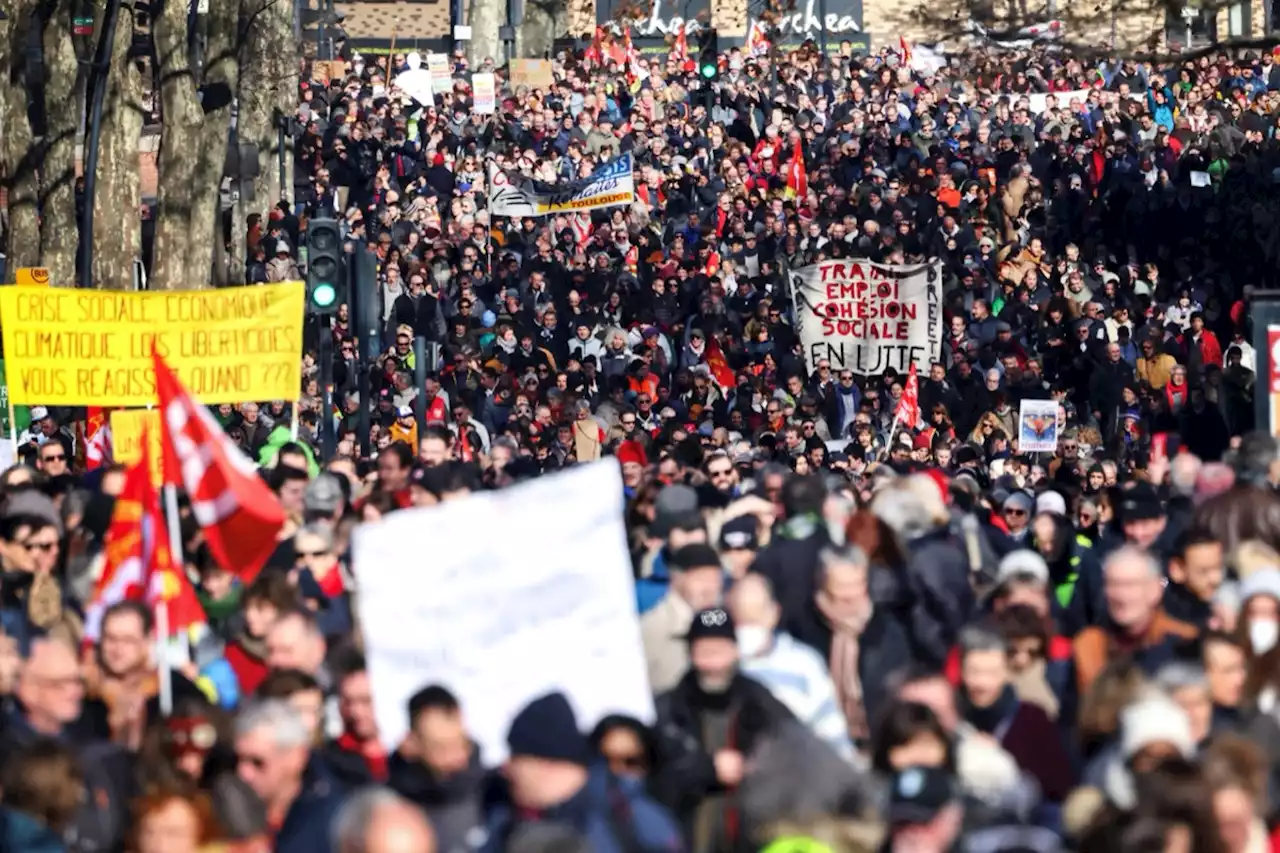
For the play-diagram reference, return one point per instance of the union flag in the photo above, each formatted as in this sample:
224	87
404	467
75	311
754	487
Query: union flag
908	411
239	514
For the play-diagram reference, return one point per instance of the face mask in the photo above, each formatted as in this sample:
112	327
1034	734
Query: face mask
1263	634
753	640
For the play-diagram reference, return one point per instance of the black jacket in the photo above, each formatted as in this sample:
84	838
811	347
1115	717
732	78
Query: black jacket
686	769
454	805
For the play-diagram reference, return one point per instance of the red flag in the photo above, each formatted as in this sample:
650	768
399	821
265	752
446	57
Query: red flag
680	53
594	56
905	47
720	370
138	564
97	438
757	40
908	412
239	514
797	179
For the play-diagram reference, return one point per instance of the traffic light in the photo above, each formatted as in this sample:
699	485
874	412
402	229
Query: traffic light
709	55
324	266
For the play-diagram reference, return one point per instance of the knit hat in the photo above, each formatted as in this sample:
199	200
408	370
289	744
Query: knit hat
1051	502
1022	562
1262	582
548	728
1154	719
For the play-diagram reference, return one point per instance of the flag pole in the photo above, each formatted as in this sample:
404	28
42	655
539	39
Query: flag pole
293	423
13	431
166	676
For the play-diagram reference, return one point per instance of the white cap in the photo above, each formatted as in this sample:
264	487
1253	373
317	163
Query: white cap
39	413
1022	562
1051	502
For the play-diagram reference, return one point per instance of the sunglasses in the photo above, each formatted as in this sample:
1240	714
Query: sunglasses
626	762
54	457
306	555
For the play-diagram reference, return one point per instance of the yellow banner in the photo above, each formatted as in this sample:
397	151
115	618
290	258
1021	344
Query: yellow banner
126	439
31	276
66	347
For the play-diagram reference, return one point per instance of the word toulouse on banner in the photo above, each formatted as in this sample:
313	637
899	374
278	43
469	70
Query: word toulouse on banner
869	318
68	347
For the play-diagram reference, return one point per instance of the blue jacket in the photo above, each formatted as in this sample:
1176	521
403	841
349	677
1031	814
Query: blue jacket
650	590
612	813
21	833
306	827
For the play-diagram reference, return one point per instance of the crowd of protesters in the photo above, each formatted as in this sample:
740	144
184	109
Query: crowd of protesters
860	635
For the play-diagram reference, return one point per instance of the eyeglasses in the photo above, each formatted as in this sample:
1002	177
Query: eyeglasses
626	762
721	472
1016	513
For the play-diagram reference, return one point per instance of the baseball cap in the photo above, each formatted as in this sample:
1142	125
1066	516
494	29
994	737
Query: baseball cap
740	534
714	622
919	793
38	413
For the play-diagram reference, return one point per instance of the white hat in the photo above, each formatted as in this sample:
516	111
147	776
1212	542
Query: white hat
1051	502
1155	719
39	413
1022	562
1262	582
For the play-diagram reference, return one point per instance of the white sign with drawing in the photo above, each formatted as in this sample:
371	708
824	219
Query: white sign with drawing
549	604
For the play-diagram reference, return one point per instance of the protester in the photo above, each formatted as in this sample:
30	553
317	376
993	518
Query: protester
1022	573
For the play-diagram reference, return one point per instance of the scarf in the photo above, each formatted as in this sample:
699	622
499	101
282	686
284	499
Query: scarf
846	652
586	440
990	719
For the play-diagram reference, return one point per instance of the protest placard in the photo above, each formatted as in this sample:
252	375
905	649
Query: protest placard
869	318
441	73
67	347
484	88
1038	426
127	426
534	73
21	417
611	184
499	622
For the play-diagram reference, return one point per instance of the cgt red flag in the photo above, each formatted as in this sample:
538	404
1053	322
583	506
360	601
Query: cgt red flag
797	179
720	369
239	514
138	565
908	413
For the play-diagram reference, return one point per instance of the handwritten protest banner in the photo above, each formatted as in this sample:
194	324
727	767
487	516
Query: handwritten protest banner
127	427
484	86
869	318
500	623
66	347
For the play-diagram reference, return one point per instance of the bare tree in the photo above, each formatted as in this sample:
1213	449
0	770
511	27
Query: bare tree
485	19
117	233
58	228
18	153
268	90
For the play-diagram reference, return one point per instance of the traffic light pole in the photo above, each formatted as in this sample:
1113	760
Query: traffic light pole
328	441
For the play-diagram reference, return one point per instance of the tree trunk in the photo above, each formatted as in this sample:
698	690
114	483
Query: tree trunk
17	155
117	224
221	70
268	89
178	158
58	226
239	254
486	17
540	28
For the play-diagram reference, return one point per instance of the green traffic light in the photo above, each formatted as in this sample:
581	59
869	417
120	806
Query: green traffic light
708	71
324	295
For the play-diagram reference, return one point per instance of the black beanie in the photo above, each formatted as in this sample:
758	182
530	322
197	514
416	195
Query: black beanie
547	728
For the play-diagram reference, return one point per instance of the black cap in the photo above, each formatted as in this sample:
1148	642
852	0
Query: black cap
711	623
695	556
919	793
1139	503
740	534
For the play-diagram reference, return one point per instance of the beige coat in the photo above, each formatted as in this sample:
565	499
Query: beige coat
665	651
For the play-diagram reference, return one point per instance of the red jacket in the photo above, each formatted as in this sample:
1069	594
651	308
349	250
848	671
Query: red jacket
1210	349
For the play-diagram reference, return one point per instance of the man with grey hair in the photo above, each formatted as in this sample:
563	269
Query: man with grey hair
273	757
1136	622
377	820
321	580
1187	684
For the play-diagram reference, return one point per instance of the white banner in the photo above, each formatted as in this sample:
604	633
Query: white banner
868	318
444	601
514	195
1037	105
441	73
